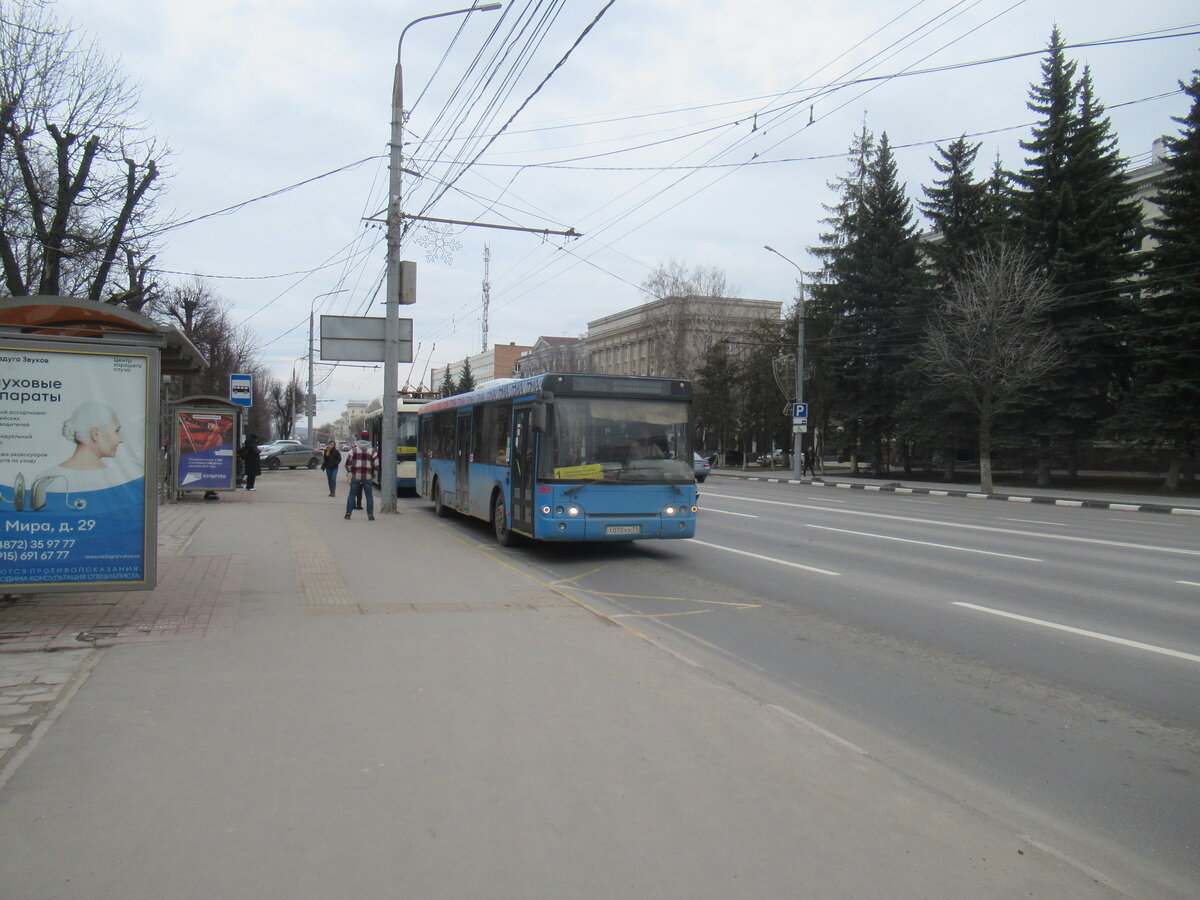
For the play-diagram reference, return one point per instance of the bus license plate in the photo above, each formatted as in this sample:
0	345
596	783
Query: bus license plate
623	529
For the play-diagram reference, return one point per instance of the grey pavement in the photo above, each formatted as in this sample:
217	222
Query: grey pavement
398	708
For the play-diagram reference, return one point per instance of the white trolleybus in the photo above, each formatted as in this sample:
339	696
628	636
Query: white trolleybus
564	457
408	403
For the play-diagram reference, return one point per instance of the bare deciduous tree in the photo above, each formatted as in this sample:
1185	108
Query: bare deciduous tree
990	338
77	173
690	316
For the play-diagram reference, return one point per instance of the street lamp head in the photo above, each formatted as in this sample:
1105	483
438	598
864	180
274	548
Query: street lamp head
487	6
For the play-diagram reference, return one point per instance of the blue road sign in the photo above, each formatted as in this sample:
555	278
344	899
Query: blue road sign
799	410
241	389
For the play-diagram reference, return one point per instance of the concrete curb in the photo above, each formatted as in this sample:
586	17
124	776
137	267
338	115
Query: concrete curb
1048	500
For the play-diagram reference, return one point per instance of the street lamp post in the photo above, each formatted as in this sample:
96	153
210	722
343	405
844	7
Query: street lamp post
391	325
310	399
797	437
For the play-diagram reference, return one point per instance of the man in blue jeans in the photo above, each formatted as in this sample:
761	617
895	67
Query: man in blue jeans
362	468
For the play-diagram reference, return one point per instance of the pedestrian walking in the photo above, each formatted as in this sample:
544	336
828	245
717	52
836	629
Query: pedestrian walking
330	460
250	460
808	464
362	468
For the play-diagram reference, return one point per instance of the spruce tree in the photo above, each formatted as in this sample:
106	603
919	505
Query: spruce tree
1166	381
957	207
828	328
466	381
717	400
965	215
1075	215
447	387
888	282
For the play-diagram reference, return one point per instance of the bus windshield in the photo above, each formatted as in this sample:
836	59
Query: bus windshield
630	441
406	432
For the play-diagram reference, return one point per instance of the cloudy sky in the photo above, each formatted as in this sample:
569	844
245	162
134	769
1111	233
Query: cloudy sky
689	130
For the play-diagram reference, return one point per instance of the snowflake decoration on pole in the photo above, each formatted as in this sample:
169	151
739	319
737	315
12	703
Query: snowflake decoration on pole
439	243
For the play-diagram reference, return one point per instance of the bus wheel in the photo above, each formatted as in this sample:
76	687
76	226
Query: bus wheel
504	536
439	508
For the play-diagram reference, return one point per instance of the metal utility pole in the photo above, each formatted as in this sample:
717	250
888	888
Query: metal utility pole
391	325
487	293
797	437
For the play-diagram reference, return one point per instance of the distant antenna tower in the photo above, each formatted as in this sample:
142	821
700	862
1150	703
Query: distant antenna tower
487	292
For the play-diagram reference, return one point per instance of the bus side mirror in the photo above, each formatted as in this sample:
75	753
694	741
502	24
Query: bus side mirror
537	418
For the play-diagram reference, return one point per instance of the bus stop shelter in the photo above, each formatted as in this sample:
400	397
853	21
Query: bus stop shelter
81	385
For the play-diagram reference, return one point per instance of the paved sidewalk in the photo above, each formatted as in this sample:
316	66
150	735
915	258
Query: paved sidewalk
400	709
194	596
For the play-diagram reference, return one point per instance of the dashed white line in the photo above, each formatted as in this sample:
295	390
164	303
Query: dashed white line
1070	629
709	509
782	562
888	537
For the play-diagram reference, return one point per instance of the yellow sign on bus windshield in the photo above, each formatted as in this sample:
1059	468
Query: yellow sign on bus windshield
579	473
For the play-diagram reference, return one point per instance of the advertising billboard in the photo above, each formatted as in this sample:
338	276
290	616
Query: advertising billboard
77	467
206	452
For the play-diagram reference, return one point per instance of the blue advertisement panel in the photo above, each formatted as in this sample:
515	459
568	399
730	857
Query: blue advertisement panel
75	507
206	452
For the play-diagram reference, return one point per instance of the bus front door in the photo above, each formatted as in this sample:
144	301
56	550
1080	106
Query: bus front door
462	461
425	454
522	472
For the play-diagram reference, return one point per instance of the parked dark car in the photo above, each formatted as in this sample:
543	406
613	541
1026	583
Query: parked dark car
293	456
702	466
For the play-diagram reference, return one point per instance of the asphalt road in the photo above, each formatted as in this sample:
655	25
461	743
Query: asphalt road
1040	664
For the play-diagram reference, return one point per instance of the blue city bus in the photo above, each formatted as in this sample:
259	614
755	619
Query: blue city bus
564	457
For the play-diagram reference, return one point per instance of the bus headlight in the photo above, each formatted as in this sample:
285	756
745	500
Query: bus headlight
669	511
545	510
573	510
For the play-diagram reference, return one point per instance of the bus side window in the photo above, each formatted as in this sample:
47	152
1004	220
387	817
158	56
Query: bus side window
494	440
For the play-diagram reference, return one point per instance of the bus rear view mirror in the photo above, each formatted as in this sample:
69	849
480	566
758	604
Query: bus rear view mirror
537	418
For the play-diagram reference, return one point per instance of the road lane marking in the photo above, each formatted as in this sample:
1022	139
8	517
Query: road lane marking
727	512
782	562
1070	629
1189	583
824	732
1034	522
888	537
991	528
610	595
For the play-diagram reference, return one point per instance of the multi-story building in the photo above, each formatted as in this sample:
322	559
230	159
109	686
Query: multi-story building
670	336
1145	181
499	362
349	423
554	354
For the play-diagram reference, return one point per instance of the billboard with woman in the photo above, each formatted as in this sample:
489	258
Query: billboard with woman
77	504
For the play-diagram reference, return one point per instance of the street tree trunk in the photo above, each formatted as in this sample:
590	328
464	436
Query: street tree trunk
985	446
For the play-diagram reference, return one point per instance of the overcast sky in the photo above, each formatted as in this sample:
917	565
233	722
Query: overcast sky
694	130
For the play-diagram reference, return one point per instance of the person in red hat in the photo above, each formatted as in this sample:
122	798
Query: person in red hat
362	468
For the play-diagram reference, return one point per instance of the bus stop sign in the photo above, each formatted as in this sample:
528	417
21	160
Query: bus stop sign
241	389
